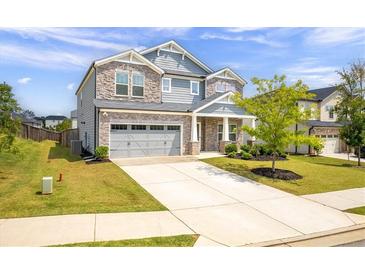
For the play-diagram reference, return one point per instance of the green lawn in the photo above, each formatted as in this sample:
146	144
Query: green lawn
320	174
172	241
357	210
95	188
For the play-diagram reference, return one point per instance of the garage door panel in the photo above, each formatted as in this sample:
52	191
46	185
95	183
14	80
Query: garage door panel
149	142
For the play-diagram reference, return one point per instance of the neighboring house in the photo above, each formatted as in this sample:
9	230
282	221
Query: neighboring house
159	101
53	120
31	121
74	118
324	124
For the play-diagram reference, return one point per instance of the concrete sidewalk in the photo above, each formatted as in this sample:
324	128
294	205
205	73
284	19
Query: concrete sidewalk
64	229
343	199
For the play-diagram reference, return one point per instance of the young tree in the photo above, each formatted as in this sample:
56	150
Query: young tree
351	107
66	124
276	108
9	126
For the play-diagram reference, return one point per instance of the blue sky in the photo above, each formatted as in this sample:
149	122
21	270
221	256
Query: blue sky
45	65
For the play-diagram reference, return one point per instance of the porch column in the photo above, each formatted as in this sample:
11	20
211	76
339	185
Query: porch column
253	125
194	126
225	136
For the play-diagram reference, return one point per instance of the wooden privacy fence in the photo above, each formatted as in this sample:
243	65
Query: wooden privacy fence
41	134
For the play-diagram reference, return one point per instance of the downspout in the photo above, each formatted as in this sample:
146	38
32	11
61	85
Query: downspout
296	131
96	116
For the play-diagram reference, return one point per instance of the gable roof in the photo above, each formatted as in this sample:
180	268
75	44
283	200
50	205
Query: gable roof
130	56
225	71
210	100
55	117
322	93
175	47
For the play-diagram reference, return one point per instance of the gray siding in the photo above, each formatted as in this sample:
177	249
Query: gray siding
86	113
180	92
173	61
219	108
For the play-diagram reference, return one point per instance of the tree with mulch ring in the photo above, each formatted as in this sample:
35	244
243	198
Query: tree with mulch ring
277	110
281	174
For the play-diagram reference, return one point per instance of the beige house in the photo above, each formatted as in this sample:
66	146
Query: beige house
324	124
159	101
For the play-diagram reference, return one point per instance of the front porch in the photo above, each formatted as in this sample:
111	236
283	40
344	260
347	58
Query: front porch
213	133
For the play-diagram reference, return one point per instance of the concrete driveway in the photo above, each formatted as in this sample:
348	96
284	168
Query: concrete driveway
231	210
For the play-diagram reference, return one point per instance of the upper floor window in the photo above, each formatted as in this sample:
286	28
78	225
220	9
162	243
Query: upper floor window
194	87
223	87
121	83
330	110
220	87
166	84
138	85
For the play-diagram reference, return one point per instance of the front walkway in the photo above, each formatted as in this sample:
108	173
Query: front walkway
65	229
231	210
343	199
342	156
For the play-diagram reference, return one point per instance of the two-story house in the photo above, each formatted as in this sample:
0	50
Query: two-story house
323	124
159	101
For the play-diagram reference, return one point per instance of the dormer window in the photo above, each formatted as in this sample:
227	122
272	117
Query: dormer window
224	87
194	87
166	84
331	111
220	87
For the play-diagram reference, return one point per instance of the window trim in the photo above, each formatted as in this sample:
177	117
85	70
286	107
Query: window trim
115	82
229	124
216	87
169	79
191	87
140	74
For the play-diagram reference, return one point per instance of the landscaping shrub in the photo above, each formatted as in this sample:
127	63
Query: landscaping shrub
230	148
245	148
101	152
232	154
246	156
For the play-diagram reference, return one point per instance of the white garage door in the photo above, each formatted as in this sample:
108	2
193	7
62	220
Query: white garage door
331	143
144	140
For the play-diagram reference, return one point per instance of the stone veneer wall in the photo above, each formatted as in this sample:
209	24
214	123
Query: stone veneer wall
105	82
110	117
210	134
210	90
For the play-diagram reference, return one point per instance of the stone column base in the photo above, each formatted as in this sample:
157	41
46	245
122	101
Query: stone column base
222	145
194	148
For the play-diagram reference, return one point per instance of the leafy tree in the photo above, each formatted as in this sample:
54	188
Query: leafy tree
277	110
28	114
9	125
65	124
351	107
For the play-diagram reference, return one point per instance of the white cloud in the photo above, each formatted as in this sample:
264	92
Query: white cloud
80	37
335	36
70	86
175	32
24	80
42	57
312	73
260	39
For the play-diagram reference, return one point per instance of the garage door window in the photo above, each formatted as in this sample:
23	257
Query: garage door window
138	127
329	136
335	136
323	136
156	127
119	127
173	127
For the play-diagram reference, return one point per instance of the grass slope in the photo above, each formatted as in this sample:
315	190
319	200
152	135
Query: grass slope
320	174
357	210
85	189
172	241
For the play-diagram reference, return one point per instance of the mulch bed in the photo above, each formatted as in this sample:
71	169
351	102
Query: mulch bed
97	161
262	158
281	174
